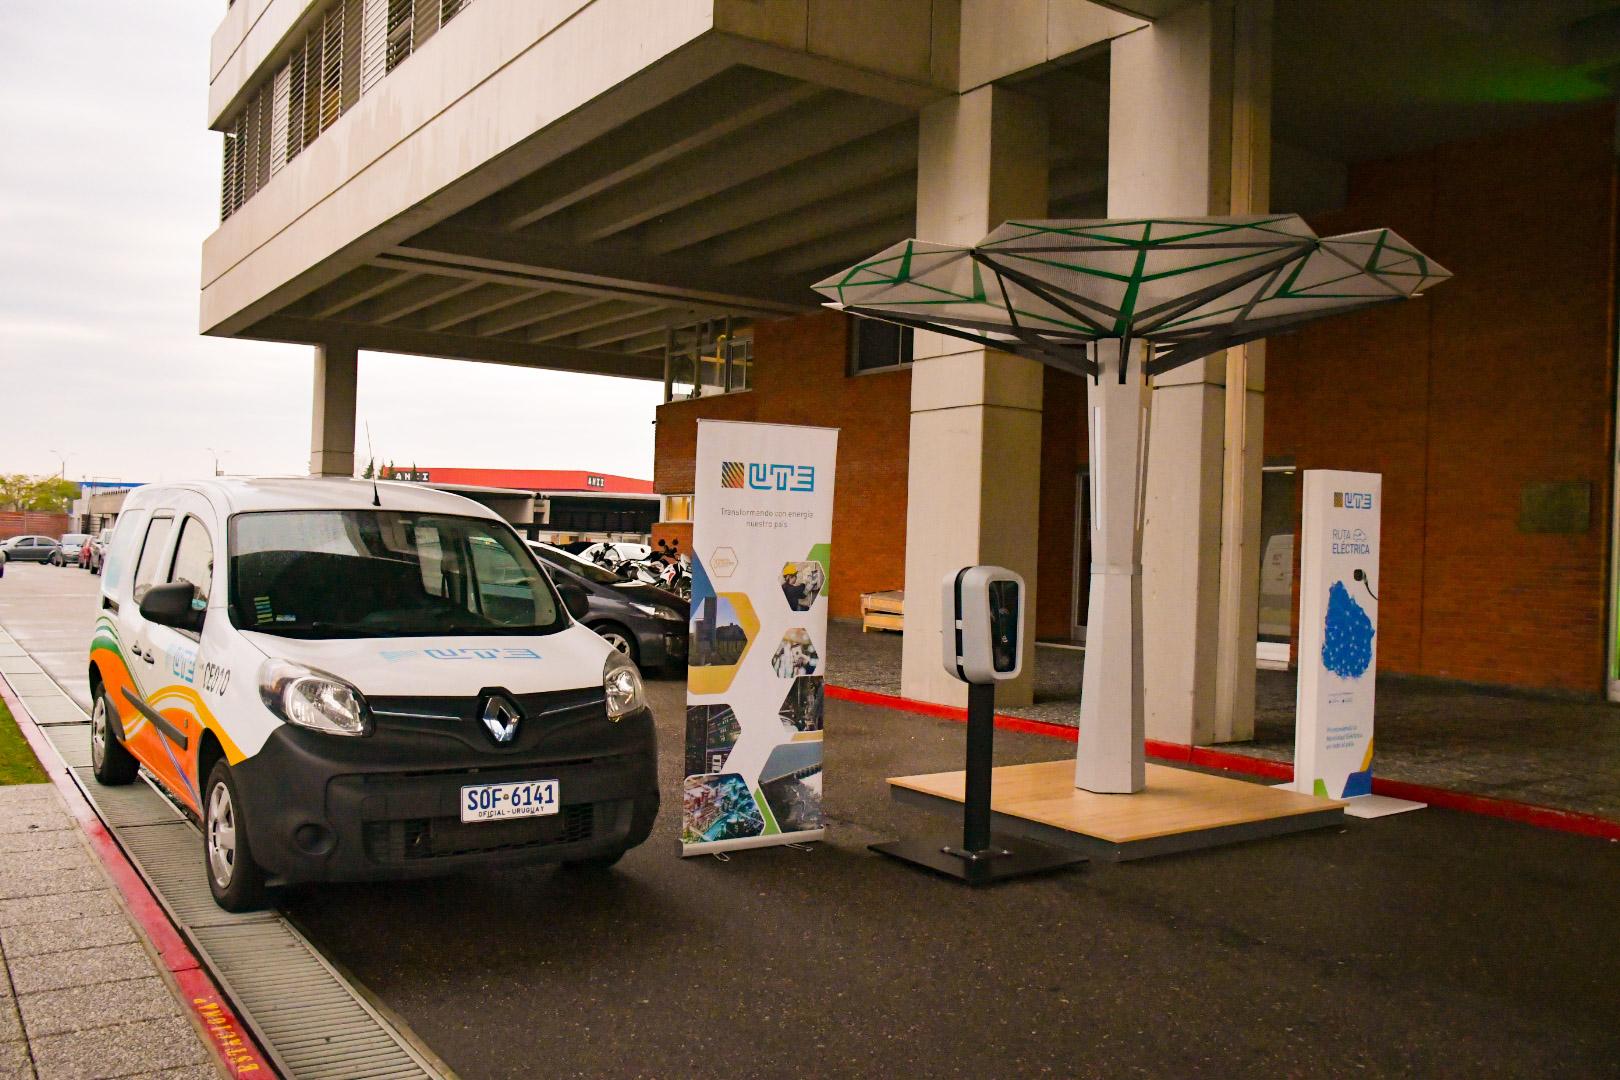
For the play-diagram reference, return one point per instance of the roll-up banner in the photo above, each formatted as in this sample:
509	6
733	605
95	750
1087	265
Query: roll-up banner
1338	633
756	659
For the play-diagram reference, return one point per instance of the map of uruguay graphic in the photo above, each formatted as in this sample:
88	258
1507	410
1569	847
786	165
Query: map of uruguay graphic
1347	635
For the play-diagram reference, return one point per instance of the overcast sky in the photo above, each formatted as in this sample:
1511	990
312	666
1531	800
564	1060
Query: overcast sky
109	181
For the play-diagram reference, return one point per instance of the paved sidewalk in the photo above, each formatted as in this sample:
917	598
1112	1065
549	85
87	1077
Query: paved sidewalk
81	995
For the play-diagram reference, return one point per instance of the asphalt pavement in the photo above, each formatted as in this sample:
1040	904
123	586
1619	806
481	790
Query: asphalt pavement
1433	942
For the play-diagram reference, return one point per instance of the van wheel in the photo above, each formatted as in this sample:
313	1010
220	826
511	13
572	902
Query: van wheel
111	762
234	878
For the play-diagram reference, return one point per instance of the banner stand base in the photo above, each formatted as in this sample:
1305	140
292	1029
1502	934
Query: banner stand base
1377	806
1007	857
1370	806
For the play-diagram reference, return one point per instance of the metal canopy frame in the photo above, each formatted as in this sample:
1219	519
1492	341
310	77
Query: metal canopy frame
1121	301
1210	283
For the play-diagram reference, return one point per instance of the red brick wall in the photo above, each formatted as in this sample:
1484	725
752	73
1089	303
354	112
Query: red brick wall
1500	377
799	378
33	522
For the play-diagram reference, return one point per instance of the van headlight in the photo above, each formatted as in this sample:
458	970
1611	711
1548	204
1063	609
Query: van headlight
313	699
622	682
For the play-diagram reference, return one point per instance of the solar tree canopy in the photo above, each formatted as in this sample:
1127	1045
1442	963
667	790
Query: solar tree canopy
1191	286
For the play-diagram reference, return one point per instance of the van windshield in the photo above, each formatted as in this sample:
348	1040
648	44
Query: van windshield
384	573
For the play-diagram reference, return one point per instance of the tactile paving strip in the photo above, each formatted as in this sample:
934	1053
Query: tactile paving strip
312	1022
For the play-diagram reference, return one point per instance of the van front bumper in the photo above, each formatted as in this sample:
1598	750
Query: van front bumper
385	806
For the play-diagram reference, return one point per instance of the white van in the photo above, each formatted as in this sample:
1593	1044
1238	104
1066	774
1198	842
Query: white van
369	681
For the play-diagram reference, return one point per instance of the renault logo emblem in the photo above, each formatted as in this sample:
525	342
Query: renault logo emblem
501	716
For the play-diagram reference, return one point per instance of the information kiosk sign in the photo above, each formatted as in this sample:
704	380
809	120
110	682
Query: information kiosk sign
1338	633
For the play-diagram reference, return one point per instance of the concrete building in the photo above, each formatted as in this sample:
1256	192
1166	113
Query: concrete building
566	504
646	189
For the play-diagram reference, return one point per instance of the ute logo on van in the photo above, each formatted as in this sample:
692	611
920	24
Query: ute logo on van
500	716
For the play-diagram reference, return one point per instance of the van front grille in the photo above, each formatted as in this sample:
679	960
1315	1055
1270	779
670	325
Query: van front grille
414	839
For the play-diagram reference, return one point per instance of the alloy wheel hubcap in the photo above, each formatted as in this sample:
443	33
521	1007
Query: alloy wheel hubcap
98	732
221	836
618	641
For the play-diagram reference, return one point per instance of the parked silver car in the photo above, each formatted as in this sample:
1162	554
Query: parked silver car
67	550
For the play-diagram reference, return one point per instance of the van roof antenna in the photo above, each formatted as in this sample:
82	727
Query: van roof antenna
376	496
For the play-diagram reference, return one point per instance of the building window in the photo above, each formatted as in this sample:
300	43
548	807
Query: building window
713	357
347	50
878	346
677	508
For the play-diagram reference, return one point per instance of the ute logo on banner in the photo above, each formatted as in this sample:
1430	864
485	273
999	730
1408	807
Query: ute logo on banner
761	547
762	477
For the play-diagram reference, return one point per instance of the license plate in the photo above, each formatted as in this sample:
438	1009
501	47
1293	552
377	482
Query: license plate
498	802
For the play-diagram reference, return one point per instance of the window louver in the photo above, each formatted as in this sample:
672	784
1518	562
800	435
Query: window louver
345	53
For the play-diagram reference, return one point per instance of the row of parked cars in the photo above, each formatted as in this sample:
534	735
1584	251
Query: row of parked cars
87	551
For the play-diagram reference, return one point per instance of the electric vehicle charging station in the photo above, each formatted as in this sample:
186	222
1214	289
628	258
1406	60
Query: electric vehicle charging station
982	643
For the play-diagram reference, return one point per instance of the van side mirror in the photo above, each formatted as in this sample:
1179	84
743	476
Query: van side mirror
170	605
573	598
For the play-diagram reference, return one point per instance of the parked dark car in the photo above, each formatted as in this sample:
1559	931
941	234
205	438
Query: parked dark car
645	623
30	548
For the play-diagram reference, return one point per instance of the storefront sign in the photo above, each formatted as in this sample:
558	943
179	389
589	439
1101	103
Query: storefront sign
761	547
1338	633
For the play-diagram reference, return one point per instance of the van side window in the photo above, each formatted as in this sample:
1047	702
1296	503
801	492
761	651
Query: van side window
121	549
194	557
146	570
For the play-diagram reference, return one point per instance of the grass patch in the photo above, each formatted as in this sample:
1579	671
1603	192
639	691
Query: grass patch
18	765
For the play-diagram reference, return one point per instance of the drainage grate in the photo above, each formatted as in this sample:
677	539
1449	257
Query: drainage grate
72	741
313	1024
122	807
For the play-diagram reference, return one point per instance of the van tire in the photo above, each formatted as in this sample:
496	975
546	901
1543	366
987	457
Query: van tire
111	762
226	851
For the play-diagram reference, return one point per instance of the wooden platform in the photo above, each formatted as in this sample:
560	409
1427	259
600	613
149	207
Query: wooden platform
1180	810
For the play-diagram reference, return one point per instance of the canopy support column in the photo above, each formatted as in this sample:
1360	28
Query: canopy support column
973	485
1110	754
331	440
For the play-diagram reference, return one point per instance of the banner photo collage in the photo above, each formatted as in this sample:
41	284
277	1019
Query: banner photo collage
756	658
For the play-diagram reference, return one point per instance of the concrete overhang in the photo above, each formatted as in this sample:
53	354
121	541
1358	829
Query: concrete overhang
561	184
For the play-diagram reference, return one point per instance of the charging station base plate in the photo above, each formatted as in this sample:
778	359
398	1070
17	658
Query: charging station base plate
1015	857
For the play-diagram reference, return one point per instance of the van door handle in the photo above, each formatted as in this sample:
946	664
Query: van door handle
150	655
134	650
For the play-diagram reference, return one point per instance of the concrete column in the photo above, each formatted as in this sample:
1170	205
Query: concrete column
1109	757
973	490
1173	127
331	440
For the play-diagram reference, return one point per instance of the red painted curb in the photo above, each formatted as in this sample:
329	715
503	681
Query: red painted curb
229	1040
1541	817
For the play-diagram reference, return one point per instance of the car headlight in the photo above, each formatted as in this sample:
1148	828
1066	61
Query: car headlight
667	614
313	699
622	683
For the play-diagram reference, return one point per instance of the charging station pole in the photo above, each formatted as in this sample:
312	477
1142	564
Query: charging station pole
982	638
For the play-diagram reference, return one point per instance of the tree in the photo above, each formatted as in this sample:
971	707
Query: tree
14	491
51	494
